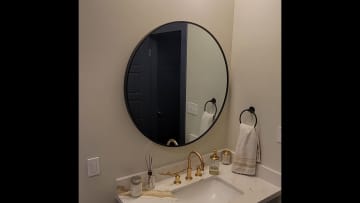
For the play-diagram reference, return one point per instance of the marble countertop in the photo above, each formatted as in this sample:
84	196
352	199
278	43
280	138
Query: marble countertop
255	189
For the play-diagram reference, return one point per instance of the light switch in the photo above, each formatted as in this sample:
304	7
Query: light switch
278	135
93	166
192	108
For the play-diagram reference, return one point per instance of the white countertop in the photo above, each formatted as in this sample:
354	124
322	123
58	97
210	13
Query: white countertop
255	189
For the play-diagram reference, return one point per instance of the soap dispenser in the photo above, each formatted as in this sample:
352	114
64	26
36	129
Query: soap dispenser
214	164
226	157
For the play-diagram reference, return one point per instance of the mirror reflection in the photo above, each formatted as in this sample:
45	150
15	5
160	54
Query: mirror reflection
176	83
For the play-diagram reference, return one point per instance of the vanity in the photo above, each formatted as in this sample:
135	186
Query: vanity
225	187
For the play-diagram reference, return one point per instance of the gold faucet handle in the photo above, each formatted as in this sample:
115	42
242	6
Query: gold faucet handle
198	171
176	175
168	174
173	174
177	179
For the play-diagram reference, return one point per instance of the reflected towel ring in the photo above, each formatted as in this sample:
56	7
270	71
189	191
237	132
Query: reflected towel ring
252	114
213	100
172	141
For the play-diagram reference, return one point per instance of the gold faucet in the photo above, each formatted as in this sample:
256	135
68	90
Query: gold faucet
198	173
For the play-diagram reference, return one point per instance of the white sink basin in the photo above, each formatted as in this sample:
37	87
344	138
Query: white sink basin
211	189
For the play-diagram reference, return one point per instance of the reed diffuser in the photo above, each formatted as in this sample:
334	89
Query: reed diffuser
150	183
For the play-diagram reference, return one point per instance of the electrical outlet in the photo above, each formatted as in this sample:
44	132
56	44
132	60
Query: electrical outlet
93	165
278	135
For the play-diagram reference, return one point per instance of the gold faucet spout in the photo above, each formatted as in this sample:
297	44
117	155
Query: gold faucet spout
202	164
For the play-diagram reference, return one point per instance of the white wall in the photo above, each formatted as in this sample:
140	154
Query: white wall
255	76
108	32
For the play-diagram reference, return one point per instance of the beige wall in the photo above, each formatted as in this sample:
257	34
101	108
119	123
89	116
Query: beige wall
255	76
108	32
248	31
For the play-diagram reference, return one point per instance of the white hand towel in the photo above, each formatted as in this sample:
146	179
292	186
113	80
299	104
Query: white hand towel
247	151
206	121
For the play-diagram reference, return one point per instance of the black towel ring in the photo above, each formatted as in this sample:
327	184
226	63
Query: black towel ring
252	114
213	100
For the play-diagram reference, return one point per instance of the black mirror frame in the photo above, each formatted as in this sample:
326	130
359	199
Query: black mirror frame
131	60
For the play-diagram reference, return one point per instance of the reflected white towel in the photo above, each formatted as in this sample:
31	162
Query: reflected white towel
206	121
247	151
190	137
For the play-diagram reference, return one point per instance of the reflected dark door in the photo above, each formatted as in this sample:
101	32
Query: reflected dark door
159	100
139	89
168	85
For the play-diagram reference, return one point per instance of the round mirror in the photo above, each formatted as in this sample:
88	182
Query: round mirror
176	83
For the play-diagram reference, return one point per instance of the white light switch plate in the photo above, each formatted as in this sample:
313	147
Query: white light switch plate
278	135
93	166
192	108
